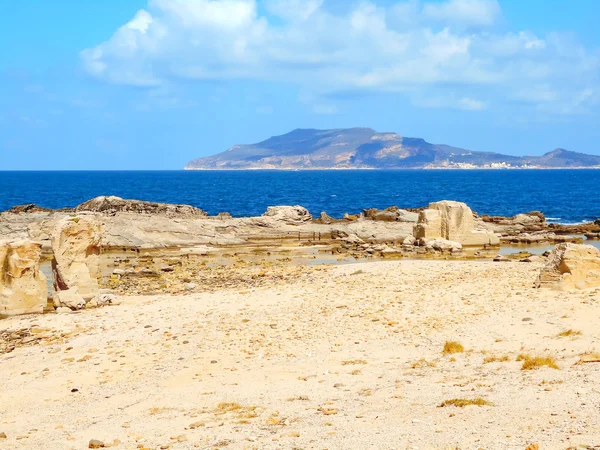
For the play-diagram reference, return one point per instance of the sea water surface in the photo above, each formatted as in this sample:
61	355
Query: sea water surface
566	196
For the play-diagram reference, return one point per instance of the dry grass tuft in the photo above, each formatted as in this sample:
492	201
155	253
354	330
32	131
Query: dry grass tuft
462	402
422	363
569	333
353	362
531	363
451	347
228	407
493	359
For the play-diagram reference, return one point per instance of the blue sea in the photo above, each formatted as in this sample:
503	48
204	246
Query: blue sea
565	196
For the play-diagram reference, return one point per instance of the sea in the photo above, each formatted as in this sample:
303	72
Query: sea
564	196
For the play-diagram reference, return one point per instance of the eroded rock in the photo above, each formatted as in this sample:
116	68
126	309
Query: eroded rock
70	298
291	215
111	205
23	286
571	266
452	221
75	243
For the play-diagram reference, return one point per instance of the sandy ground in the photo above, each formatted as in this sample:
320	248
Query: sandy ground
346	357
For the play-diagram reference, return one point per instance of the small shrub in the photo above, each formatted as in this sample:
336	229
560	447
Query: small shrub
451	347
228	407
353	362
569	333
422	363
492	359
530	363
462	402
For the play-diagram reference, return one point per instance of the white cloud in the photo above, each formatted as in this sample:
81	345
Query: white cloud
409	47
464	12
293	9
471	104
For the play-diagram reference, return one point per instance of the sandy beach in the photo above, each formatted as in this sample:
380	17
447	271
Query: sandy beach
338	357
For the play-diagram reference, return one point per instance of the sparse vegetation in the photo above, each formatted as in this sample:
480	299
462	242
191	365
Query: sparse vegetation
228	407
462	402
493	359
422	363
353	362
532	363
569	333
451	347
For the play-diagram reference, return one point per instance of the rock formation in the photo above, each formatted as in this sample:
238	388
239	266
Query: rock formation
452	221
571	266
291	215
23	287
75	243
391	214
112	205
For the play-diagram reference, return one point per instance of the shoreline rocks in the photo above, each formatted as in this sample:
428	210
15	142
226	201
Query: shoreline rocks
23	286
290	215
111	205
75	243
452	221
571	266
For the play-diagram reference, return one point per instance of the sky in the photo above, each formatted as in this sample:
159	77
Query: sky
152	84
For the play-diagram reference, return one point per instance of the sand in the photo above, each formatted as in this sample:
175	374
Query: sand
340	357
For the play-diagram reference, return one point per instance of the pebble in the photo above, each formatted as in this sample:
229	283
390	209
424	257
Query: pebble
95	443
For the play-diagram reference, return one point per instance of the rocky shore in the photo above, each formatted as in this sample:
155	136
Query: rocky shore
108	244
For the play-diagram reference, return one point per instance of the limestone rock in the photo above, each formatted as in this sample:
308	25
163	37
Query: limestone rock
444	245
291	215
409	240
111	205
71	298
23	287
391	214
324	218
571	266
452	221
75	243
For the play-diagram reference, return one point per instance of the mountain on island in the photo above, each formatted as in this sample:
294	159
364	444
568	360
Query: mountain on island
364	148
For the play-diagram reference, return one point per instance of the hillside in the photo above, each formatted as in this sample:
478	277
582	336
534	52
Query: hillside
364	148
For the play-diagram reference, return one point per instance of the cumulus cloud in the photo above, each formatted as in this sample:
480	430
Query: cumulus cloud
407	47
464	12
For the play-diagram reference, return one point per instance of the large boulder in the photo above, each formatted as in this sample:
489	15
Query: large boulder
23	286
571	266
71	298
75	243
291	215
111	205
452	221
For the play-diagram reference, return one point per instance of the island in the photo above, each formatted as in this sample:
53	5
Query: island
365	148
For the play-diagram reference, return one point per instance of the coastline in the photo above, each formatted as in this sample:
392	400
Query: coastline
294	169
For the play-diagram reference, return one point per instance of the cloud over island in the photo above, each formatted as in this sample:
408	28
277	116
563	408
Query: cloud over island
449	54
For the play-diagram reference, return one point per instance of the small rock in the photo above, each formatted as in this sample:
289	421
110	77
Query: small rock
95	443
2	435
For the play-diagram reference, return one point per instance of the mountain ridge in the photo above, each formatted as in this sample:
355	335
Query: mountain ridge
365	148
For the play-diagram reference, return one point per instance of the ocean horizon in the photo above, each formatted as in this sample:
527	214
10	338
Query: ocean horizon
563	195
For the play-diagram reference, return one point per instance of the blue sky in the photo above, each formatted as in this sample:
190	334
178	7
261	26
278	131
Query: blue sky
151	84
